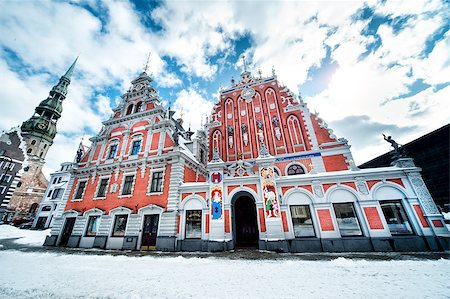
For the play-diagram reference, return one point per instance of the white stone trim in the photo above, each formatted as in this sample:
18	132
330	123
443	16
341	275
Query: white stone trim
149	183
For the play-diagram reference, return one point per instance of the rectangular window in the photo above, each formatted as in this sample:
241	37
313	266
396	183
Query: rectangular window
91	230
346	219
112	151
2	189
136	147
49	193
157	180
127	185
5	178
55	180
80	190
57	193
102	188
194	224
396	218
302	222
59	179
11	166
120	224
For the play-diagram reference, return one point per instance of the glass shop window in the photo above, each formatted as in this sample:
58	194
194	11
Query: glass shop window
194	224
302	221
92	226
347	219
120	224
396	218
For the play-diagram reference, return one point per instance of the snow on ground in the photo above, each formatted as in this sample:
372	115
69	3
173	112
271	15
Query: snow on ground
61	275
27	237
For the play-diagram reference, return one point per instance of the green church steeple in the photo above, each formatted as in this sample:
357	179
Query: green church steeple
42	125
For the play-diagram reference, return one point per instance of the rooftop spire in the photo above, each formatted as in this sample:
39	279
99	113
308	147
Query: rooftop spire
147	62
244	63
69	72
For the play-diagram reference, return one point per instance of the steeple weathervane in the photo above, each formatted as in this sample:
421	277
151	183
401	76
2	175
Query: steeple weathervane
244	63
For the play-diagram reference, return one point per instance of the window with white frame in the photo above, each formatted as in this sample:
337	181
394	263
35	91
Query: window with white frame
128	184
101	192
112	151
193	224
5	178
157	181
347	220
396	218
2	189
120	225
80	190
92	226
135	147
302	221
57	193
50	193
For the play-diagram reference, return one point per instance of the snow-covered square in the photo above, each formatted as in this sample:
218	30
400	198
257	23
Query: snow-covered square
111	274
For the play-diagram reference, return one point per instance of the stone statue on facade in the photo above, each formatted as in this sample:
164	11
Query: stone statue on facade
398	152
176	136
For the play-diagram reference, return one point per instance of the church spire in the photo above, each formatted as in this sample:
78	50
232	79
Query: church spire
69	72
42	125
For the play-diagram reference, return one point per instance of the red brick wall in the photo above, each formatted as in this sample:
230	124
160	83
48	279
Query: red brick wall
138	200
335	163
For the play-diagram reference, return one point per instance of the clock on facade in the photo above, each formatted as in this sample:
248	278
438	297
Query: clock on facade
247	94
42	125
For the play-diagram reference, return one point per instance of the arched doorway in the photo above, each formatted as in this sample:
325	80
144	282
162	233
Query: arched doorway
245	225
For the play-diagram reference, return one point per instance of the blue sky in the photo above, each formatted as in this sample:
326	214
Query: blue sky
366	67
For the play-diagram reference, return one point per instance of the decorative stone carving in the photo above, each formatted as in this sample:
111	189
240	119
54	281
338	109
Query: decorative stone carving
276	126
317	189
423	194
244	134
230	132
362	187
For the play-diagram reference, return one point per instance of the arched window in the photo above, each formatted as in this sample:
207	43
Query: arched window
45	146
138	107
277	173
29	151
41	154
33	142
295	169
129	109
46	209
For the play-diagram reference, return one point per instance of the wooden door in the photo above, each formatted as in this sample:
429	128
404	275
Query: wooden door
149	232
67	231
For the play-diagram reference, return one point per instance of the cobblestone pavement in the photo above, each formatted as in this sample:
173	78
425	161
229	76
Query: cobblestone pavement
247	254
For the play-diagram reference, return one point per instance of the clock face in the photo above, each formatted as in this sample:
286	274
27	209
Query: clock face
42	126
247	94
139	86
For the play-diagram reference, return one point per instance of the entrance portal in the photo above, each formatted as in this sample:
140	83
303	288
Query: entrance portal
149	232
67	231
246	233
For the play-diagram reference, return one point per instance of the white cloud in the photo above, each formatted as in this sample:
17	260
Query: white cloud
194	106
292	36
